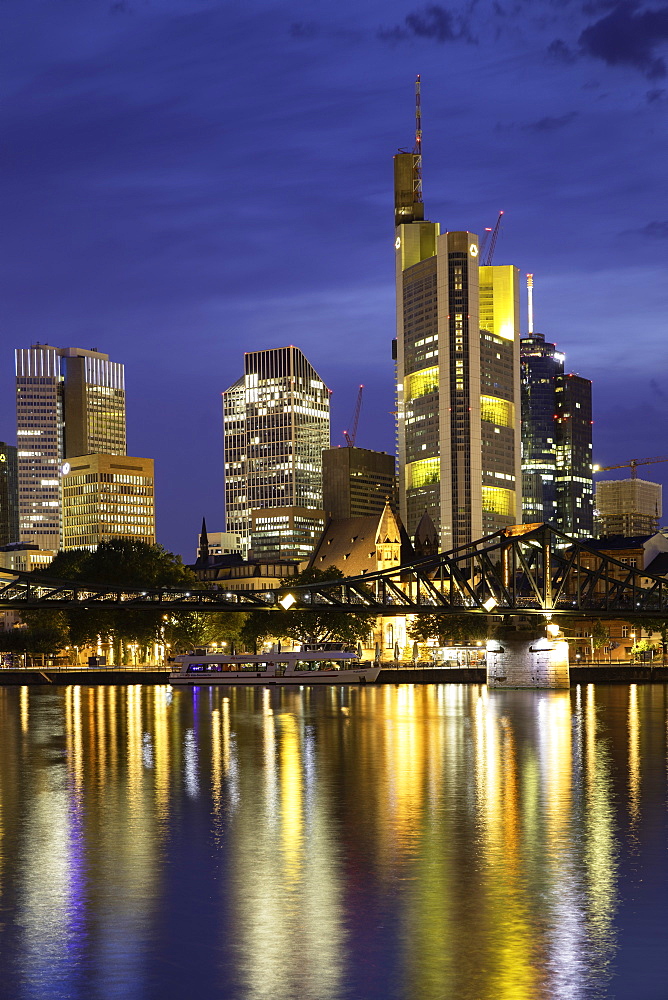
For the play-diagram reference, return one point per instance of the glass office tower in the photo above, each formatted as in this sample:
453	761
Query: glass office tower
458	386
69	401
556	440
276	426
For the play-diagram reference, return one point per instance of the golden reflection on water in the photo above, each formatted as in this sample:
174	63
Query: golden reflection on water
634	756
465	836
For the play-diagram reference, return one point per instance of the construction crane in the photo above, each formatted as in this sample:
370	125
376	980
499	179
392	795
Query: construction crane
483	244
350	436
492	243
632	465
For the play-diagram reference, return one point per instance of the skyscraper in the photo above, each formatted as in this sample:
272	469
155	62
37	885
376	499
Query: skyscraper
69	402
107	496
9	495
556	437
541	366
276	426
575	509
357	482
627	507
457	362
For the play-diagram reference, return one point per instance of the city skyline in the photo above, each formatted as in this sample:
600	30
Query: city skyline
144	215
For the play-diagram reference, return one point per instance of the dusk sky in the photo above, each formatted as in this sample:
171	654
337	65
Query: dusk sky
185	180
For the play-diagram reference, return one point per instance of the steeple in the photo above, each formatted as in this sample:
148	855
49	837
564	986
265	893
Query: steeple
203	542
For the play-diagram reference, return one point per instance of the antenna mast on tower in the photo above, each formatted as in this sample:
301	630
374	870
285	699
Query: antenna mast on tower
417	150
530	301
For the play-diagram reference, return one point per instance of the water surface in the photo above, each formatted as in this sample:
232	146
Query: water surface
392	842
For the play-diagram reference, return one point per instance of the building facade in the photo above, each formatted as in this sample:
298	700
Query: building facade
69	402
9	494
276	426
556	440
627	507
357	482
107	496
458	377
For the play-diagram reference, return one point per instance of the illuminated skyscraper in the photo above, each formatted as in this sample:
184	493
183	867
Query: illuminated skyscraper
105	497
276	426
556	437
69	401
9	495
458	389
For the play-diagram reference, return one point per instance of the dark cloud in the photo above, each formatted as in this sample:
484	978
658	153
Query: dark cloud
656	388
657	94
433	22
550	123
629	37
559	50
655	230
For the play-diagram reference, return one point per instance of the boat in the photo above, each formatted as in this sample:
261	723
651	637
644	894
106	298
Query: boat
313	663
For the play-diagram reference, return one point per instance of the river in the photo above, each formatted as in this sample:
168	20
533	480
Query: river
403	842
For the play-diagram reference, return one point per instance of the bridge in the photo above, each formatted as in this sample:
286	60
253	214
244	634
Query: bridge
522	570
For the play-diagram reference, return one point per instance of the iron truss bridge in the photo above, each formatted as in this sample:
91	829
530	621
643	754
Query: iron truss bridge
525	569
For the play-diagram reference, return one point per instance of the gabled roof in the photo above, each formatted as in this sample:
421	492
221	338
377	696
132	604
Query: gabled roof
349	543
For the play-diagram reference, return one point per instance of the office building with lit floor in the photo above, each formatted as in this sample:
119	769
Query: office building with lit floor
458	374
69	402
556	436
276	426
627	507
105	497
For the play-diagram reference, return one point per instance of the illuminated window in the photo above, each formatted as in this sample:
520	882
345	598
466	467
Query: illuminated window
497	411
496	500
421	383
423	472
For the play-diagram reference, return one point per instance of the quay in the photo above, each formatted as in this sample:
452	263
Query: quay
402	673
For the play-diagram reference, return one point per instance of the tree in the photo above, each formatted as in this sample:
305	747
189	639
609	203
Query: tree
324	625
197	628
450	630
651	625
122	563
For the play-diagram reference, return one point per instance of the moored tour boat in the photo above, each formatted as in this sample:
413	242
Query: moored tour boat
317	663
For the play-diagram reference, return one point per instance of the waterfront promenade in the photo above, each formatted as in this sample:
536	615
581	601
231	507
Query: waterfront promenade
391	673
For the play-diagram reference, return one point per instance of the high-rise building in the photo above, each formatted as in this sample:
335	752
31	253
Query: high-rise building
69	402
357	482
575	509
627	507
556	440
107	496
276	426
9	495
457	362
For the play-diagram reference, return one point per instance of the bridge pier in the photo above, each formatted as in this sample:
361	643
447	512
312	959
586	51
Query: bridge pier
526	658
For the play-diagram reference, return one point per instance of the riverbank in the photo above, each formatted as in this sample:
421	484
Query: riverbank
632	673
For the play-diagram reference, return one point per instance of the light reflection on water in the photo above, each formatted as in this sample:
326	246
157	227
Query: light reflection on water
391	841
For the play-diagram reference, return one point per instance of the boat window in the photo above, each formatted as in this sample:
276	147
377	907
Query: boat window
205	668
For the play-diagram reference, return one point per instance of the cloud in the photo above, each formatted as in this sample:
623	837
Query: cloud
629	37
655	231
432	22
549	123
559	50
656	388
657	94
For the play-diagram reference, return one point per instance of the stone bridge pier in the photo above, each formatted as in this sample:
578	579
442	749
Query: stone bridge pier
526	658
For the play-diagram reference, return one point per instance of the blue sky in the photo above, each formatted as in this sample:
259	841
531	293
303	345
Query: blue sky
184	180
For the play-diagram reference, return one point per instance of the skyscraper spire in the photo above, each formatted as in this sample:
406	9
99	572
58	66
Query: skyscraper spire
530	302
417	151
408	206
